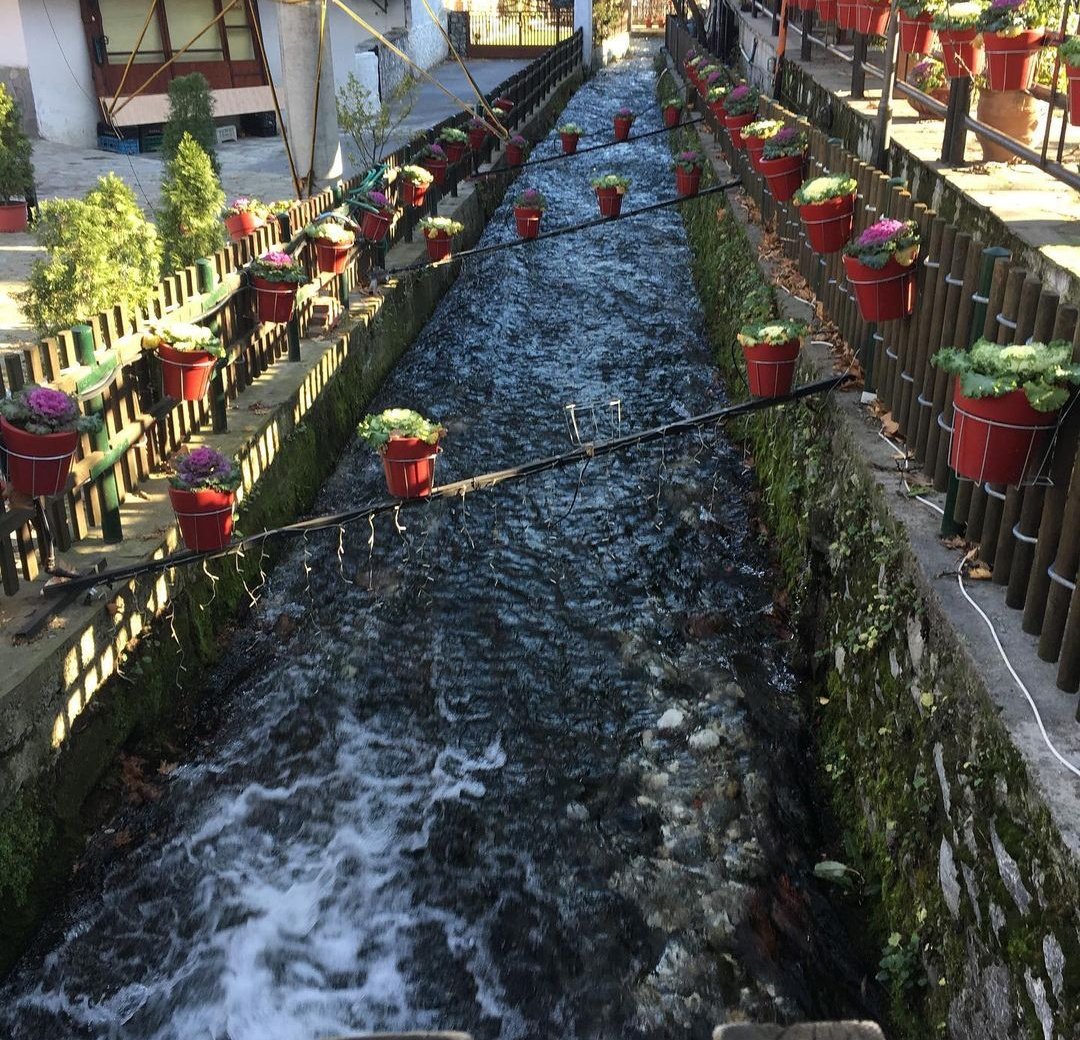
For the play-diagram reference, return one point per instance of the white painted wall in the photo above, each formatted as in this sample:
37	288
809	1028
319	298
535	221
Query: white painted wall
67	110
12	44
426	44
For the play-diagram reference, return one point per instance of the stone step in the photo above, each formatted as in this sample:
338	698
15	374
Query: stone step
802	1031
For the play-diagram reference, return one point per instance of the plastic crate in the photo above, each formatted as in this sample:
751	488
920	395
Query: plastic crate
108	143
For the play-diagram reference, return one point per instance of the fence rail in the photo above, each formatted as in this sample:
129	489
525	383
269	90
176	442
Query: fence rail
492	34
966	288
104	363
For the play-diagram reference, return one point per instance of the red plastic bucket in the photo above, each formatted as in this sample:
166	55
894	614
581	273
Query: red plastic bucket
872	18
503	104
477	137
373	226
847	14
275	300
1011	60
185	374
828	10
671	116
770	370
622	128
455	150
805	5
439	247
205	517
413	194
240	225
783	175
514	154
37	463
332	258
12	217
528	221
409	465
828	224
1073	74
917	35
610	201
687	182
882	295
718	111
960	52
754	147
735	123
569	143
437	168
998	440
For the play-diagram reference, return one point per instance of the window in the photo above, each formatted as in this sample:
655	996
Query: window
122	20
187	18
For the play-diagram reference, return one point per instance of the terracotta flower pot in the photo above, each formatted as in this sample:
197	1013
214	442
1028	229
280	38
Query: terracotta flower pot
274	300
437	168
439	245
37	463
610	200
925	112
770	370
409	465
240	225
1013	112
622	128
734	124
12	217
961	52
455	150
783	175
687	182
185	374
872	17
514	155
569	143
528	221
374	226
1011	60
828	224
477	137
1073	74
999	440
332	258
673	114
828	10
847	14
413	194
205	517
885	294
917	35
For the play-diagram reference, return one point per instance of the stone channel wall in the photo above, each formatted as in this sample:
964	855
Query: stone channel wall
964	881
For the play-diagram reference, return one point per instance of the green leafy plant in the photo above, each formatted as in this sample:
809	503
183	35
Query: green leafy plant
788	143
774	333
928	75
415	175
370	122
821	189
45	410
609	17
182	335
570	128
436	227
901	966
612	180
915	8
330	231
277	266
888	238
191	111
742	100
102	253
673	102
205	469
453	135
762	129
716	93
1045	372
956	17
429	152
376	430
689	160
191	199
1011	17
1070	51
531	198
16	169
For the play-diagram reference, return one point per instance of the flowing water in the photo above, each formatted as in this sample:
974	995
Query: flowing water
529	767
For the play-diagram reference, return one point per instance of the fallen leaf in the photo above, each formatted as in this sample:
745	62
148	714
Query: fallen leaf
167	768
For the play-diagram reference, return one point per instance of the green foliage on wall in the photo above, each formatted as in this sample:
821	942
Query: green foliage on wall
16	169
189	220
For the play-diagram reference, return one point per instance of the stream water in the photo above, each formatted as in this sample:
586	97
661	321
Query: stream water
530	767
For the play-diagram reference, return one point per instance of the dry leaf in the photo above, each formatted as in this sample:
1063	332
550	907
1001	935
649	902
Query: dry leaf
167	768
979	572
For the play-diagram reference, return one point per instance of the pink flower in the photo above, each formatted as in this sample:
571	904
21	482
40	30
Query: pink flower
880	233
739	93
275	258
50	404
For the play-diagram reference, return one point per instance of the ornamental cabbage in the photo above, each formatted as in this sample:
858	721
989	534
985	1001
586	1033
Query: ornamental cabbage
1043	371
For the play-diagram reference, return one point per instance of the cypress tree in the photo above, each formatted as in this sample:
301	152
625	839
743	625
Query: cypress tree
191	111
189	220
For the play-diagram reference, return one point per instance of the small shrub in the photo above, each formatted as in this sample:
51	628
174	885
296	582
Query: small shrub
16	170
371	122
189	221
191	111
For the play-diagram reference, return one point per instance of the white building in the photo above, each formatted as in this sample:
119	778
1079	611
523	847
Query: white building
66	59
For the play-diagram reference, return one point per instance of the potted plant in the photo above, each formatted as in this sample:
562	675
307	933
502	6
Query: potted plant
827	207
570	133
529	207
16	168
415	181
1069	51
478	132
1012	33
715	99
40	428
333	243
928	75
673	109
740	109
1006	400
880	265
610	189
755	134
872	16
244	215
438	235
375	222
688	166
771	349
454	143
202	492
187	353
624	119
782	162
516	150
917	35
276	276
408	444
434	160
958	34
279	206
502	104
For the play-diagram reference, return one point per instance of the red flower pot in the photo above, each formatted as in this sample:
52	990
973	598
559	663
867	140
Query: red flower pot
783	175
770	370
409	465
503	104
672	115
718	111
477	136
205	517
437	168
960	52
331	258
37	463
185	374
413	194
455	150
374	226
274	300
847	14
999	440
687	182
439	246
12	217
885	294
917	35
515	154
735	123
528	221
622	128
828	10
610	201
872	17
754	147
828	224
240	225
805	5
1073	74
569	143
1011	60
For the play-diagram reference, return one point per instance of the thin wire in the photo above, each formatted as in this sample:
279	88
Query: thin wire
60	48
